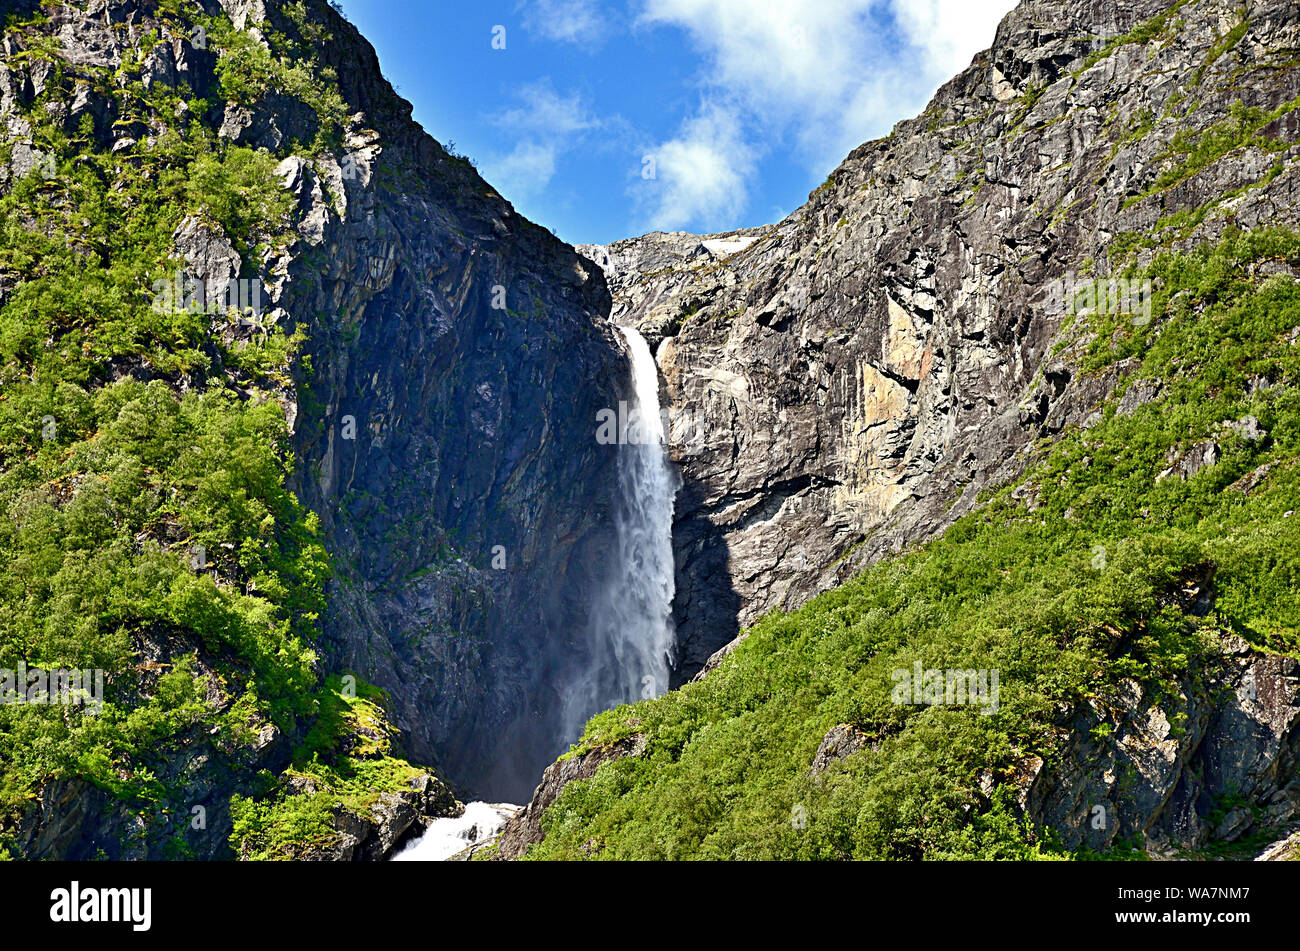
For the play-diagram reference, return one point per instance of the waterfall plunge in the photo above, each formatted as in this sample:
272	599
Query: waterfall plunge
631	621
631	626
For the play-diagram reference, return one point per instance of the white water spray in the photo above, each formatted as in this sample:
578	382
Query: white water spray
631	627
631	624
445	837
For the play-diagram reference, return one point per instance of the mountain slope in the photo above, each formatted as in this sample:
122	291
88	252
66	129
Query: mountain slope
854	376
248	316
923	354
1139	608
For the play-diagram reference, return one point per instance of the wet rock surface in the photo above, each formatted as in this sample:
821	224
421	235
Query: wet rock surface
390	823
449	444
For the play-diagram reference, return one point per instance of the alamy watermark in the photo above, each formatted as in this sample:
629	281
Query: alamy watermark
682	429
76	904
186	294
39	686
1074	294
935	687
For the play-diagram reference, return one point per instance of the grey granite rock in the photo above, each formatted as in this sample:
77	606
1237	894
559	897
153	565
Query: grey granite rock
867	366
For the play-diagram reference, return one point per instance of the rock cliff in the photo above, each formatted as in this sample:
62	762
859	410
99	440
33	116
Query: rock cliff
460	354
850	379
448	359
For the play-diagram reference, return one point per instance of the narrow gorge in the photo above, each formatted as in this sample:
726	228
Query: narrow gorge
643	537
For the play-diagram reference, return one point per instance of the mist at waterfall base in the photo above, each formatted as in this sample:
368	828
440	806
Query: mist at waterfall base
630	632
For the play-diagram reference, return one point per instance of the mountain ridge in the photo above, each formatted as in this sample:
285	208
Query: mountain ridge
920	431
896	356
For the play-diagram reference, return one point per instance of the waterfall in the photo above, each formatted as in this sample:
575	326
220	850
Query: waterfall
630	630
631	627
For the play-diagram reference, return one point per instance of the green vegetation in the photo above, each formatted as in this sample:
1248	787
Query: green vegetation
1033	93
1225	43
1179	225
1019	590
1139	127
1198	150
250	72
344	763
1141	34
824	186
133	436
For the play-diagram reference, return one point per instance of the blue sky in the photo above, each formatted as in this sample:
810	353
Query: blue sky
604	119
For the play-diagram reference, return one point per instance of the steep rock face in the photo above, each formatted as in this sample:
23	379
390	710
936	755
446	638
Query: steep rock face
466	498
443	410
468	512
447	431
1230	737
854	376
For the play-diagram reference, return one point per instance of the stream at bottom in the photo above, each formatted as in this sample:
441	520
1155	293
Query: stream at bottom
445	837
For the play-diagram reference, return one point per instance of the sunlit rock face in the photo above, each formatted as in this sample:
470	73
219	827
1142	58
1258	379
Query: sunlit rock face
859	372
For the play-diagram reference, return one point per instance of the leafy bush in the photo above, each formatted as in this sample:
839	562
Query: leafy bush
132	436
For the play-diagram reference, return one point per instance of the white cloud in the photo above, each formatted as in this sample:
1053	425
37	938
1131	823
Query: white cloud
525	171
817	77
779	54
544	112
568	21
831	74
545	125
700	175
949	32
